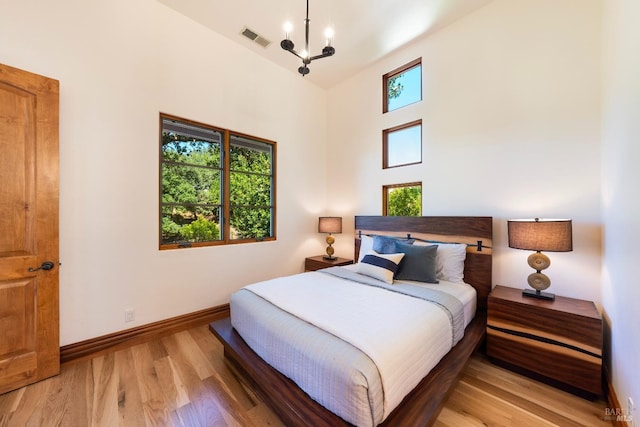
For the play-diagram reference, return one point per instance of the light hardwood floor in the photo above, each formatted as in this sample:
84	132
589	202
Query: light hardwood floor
182	380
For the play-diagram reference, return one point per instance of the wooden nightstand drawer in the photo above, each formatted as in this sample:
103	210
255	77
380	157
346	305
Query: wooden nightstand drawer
317	262
559	340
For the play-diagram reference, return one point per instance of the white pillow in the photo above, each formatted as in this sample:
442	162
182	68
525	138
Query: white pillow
366	246
380	266
449	260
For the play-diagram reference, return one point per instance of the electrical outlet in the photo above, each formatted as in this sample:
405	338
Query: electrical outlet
129	315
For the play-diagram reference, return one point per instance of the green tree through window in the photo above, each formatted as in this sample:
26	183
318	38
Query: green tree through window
394	86
198	163
402	200
250	190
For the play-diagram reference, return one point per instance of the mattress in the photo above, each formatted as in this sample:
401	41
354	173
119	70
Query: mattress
337	373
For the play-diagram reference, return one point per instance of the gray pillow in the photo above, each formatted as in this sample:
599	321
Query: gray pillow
419	263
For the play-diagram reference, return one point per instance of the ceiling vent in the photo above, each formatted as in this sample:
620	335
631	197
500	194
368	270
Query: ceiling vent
255	37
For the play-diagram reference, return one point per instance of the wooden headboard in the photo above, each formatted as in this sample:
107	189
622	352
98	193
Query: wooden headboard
475	231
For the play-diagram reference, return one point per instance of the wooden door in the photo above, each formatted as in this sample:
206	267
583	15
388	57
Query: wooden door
29	317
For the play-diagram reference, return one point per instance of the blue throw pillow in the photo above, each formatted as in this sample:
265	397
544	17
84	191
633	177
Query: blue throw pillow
387	244
419	263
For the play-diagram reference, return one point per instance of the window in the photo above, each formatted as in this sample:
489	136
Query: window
216	186
402	199
402	145
402	86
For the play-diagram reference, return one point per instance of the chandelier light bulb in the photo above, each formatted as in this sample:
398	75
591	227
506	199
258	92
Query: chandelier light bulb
304	54
328	34
288	26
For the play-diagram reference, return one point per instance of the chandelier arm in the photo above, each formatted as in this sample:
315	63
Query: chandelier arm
324	55
293	52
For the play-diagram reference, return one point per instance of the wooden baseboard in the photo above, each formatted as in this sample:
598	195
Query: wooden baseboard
123	339
613	404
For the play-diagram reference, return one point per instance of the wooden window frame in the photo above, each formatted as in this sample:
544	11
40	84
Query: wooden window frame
393	73
385	194
385	143
225	201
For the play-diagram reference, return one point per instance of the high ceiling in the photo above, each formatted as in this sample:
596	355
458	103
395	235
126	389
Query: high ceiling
365	30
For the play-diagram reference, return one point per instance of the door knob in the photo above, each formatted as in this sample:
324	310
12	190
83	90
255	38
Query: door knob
47	265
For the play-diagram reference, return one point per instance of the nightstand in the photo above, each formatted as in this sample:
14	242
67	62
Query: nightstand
558	342
317	262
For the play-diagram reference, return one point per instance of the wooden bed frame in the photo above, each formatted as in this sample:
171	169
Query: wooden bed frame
422	405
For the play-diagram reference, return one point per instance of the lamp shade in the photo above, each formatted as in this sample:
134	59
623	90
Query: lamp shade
553	235
330	224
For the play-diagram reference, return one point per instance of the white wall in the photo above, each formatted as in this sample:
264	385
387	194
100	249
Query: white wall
511	129
120	63
621	205
511	124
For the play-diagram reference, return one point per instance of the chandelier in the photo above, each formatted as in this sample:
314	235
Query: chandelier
304	55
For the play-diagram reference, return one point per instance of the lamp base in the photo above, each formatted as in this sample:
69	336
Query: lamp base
330	258
530	293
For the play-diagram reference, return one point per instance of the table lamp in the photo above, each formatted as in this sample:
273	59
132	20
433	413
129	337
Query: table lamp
330	224
550	235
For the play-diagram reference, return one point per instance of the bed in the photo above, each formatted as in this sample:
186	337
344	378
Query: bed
417	405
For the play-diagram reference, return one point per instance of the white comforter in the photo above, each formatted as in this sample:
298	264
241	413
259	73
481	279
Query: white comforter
366	317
